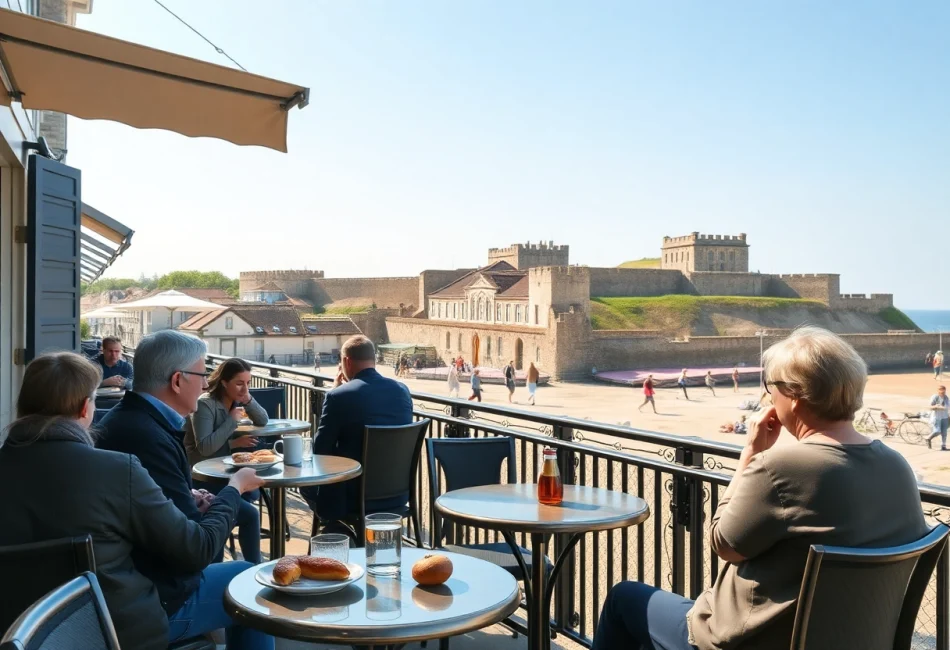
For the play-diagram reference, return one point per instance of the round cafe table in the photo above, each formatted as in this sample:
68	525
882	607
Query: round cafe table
111	392
274	427
319	470
380	612
514	508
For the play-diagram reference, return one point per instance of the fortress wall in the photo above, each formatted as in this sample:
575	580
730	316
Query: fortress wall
860	302
610	282
881	351
726	284
433	280
815	286
385	293
293	283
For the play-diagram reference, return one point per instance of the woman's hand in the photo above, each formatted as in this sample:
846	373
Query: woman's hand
245	480
243	442
237	413
764	431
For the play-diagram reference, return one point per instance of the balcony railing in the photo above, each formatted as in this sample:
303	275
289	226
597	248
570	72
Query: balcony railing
682	479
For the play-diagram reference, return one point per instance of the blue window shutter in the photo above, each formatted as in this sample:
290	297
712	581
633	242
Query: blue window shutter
54	218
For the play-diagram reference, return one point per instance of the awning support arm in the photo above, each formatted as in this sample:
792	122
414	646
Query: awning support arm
16	94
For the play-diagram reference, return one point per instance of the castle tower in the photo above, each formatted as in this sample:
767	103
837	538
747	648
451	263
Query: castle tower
696	252
528	255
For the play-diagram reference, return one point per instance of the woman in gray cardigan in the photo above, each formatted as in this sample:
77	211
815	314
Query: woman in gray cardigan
209	433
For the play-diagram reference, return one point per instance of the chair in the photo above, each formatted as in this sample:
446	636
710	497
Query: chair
99	414
865	598
390	466
273	400
74	615
40	567
470	462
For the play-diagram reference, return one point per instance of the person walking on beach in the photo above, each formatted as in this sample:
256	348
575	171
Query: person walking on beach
532	381
710	382
681	382
510	379
735	380
476	386
938	365
648	394
939	417
453	381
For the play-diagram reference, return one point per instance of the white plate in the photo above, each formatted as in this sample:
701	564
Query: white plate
305	586
227	460
245	422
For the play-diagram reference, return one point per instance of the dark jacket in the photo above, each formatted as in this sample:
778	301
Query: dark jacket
110	496
136	427
367	399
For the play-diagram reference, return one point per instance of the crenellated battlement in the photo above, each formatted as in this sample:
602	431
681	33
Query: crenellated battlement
702	239
279	275
528	246
528	255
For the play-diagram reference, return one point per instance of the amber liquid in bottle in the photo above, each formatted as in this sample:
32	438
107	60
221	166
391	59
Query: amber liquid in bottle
550	487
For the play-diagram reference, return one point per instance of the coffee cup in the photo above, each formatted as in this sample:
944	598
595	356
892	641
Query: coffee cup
291	448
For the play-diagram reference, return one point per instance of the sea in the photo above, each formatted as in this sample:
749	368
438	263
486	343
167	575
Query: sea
930	320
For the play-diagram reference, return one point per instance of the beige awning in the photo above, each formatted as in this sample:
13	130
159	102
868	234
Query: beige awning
50	66
102	240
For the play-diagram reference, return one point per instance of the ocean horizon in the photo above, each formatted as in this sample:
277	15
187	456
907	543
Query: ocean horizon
930	320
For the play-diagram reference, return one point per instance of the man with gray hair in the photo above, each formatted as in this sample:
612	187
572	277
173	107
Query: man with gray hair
169	376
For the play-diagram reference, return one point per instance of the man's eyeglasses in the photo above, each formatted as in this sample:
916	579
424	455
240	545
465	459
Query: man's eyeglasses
777	383
196	374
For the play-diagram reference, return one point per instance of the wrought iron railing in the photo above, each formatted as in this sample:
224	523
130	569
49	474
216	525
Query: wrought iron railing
681	478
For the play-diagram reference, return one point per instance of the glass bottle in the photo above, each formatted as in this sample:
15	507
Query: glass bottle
550	486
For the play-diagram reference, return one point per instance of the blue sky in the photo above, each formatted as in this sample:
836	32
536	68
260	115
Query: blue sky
438	129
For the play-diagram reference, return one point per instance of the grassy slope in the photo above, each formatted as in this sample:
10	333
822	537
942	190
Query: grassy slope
350	309
642	263
675	312
897	319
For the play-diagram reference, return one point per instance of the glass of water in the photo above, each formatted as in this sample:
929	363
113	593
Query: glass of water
307	454
383	544
332	546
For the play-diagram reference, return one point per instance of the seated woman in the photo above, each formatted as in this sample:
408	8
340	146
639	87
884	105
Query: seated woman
110	496
830	486
209	433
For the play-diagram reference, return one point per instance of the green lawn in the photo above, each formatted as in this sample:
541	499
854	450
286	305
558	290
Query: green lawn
642	263
349	309
676	312
897	319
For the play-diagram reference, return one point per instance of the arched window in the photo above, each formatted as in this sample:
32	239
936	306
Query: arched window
500	353
507	313
439	310
481	308
448	340
517	313
498	312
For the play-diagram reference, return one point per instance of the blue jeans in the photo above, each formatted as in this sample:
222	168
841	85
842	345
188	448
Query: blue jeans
248	521
640	617
939	429
204	611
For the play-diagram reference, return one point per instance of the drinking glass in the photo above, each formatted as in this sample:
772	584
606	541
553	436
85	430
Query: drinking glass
383	598
307	447
331	545
383	544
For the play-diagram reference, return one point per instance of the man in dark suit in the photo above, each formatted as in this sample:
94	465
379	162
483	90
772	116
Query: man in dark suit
360	397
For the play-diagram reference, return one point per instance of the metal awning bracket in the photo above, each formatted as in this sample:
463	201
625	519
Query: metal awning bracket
6	74
300	99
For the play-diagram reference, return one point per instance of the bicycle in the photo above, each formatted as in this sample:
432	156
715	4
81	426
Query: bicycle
911	428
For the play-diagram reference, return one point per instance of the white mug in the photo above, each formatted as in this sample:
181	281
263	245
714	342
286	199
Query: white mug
291	448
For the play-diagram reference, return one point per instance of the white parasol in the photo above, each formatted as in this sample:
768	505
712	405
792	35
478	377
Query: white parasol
105	312
170	300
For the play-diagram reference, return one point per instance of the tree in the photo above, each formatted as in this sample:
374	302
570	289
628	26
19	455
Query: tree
84	329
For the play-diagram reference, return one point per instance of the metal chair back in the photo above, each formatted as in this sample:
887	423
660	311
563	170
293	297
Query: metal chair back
29	571
73	615
272	400
863	597
390	465
99	414
466	462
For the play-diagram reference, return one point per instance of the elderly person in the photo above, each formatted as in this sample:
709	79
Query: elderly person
209	433
116	371
830	485
111	497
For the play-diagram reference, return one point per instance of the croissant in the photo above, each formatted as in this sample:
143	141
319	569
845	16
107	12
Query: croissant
286	571
242	457
322	568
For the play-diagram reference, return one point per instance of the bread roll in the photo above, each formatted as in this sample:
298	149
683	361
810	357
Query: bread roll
242	457
322	568
287	570
432	570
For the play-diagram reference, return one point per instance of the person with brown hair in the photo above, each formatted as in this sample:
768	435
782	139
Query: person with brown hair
110	496
532	381
116	371
209	433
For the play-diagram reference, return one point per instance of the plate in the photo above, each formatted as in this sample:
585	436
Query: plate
245	422
305	586
227	460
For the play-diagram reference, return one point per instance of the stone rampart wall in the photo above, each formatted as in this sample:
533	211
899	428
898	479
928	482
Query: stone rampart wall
860	302
610	282
818	286
385	293
725	284
290	281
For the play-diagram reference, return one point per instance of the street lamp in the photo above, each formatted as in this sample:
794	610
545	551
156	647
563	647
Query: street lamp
761	334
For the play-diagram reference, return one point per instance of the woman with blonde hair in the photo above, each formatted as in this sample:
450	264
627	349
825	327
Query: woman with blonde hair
210	433
830	486
111	497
